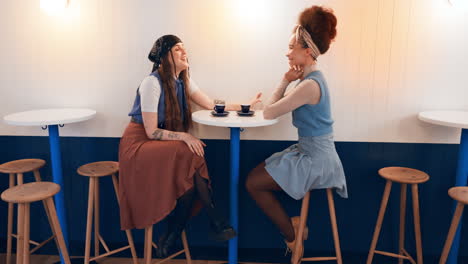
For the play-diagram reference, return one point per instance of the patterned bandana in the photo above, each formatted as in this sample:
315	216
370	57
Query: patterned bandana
161	47
301	33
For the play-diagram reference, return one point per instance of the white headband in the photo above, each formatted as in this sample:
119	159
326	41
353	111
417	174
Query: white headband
301	32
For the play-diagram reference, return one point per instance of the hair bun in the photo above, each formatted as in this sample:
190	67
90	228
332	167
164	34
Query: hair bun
320	22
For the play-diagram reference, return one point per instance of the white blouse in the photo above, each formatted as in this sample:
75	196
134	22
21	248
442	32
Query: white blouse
150	91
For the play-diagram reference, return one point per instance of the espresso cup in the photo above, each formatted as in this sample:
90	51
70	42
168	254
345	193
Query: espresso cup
245	108
219	108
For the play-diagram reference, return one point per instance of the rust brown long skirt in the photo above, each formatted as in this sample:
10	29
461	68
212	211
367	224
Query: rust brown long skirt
153	175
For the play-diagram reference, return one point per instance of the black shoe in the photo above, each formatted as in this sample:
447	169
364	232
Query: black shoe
222	231
166	244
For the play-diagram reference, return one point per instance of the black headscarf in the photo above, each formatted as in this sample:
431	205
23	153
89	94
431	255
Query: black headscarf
161	47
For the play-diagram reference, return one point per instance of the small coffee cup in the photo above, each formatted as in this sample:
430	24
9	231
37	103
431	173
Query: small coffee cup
219	108
245	108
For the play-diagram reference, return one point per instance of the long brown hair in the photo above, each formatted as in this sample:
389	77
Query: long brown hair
173	116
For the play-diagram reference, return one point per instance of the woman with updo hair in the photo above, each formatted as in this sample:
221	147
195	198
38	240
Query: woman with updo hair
312	163
162	165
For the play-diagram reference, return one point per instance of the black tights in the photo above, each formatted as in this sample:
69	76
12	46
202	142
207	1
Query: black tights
181	214
261	187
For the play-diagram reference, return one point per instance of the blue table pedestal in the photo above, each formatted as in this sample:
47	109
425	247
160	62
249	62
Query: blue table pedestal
234	191
461	180
56	161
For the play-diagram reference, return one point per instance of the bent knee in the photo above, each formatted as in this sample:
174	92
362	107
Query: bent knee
250	182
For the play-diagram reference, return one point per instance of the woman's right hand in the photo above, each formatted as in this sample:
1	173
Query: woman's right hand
194	144
294	73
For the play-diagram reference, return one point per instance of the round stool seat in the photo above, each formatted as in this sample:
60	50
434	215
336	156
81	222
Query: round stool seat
403	175
459	193
99	169
30	192
22	165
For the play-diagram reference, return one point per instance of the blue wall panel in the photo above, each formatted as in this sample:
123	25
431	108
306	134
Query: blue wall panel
356	215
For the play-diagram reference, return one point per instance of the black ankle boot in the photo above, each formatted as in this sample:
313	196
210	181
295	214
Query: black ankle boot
222	231
166	244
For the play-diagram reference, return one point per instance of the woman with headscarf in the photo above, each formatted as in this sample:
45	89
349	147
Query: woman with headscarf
313	163
162	168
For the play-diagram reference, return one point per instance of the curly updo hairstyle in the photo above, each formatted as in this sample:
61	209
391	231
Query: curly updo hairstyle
320	22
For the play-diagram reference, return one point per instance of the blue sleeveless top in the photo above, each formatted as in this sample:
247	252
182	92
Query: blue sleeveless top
135	113
314	120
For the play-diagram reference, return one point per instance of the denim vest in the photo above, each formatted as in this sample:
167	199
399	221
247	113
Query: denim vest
135	113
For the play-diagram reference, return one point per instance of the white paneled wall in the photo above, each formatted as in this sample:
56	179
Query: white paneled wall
391	60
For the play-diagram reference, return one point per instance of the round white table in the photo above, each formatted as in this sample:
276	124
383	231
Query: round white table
53	118
456	119
235	123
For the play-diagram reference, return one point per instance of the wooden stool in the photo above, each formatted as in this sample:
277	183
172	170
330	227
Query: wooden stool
297	256
403	176
460	194
95	171
149	244
25	194
18	168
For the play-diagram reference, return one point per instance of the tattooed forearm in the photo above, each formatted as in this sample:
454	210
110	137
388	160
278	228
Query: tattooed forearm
219	101
172	135
158	133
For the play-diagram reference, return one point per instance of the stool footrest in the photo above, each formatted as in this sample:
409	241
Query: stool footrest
42	244
30	241
171	257
319	259
103	243
37	244
388	254
409	256
110	253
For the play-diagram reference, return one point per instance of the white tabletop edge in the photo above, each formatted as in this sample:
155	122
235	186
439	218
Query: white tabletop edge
455	119
43	117
232	120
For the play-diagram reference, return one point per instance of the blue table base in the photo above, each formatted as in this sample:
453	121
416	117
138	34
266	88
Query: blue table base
461	180
57	178
234	191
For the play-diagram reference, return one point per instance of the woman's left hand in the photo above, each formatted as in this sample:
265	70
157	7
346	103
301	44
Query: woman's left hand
256	100
294	73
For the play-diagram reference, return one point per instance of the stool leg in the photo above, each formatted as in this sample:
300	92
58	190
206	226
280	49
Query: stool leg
20	237
20	178
26	233
451	233
132	246
336	238
115	182
19	181
186	248
378	225
297	256
10	222
37	175
46	209
96	217
148	243
55	225
89	220
417	226
401	244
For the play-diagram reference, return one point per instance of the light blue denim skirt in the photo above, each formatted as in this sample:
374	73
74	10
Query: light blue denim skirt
311	164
